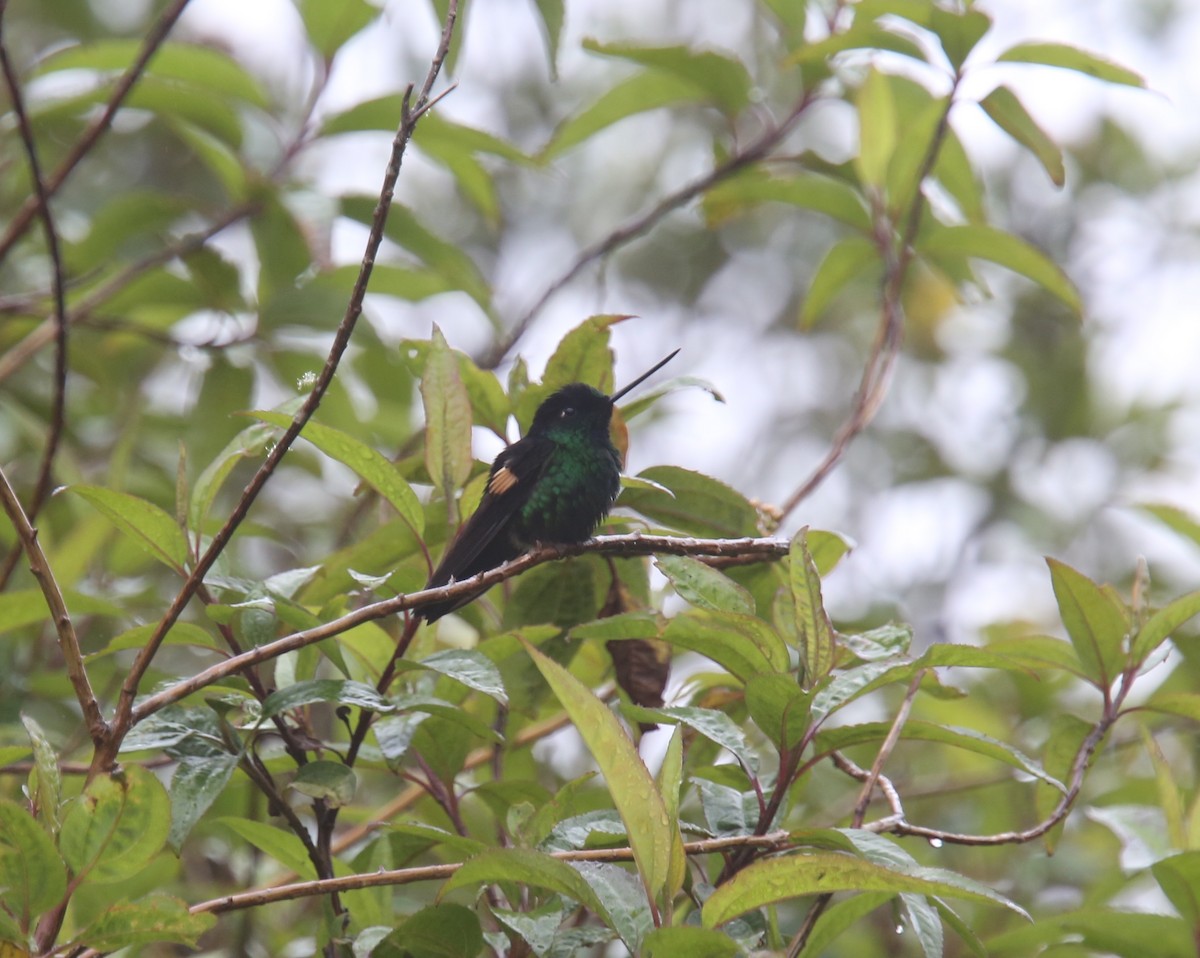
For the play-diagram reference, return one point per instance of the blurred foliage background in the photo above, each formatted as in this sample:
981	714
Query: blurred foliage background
211	239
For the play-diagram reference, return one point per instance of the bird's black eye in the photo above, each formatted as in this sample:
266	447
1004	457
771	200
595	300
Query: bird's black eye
568	411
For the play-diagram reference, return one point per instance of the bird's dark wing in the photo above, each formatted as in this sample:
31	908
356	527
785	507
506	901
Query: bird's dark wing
481	542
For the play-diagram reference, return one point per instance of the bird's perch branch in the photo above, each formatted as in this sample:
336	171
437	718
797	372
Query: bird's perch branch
766	549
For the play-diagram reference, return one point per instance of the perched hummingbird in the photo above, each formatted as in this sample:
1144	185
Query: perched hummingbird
554	485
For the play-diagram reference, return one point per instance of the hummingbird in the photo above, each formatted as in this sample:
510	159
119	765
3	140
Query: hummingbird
555	484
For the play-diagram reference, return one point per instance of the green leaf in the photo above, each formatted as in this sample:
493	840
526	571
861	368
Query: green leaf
203	66
692	503
251	441
959	32
32	876
330	25
196	784
846	260
713	724
1071	58
669	781
145	523
46	779
838	918
333	782
877	128
1095	623
335	691
447	259
921	731
633	791
1179	878
282	247
690	941
222	161
812	191
279	844
551	13
818	644
582	356
450	712
148	921
1162	624
1008	113
116	826
369	464
489	404
447	420
703	586
792	876
1101	929
527	867
439	931
1174	518
1004	249
723	80
779	707
744	645
649	90
473	669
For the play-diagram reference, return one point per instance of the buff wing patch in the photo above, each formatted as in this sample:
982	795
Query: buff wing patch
502	480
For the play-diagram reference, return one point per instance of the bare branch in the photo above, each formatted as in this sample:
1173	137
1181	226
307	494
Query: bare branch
41	486
154	39
639	225
627	545
897	257
776	841
67	640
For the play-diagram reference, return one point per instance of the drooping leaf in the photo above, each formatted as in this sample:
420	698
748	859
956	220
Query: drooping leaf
1095	623
143	522
792	876
1068	57
703	586
818	644
335	691
528	867
877	128
330	25
116	826
369	464
447	420
1008	113
196	784
846	260
473	669
723	80
147	921
633	790
1004	249
32	876
745	645
694	503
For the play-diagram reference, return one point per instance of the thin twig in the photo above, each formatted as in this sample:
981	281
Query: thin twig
67	640
625	545
776	841
897	256
41	199
641	224
154	39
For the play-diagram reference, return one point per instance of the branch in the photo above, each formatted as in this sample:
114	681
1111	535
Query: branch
41	200
154	39
776	841
67	640
125	711
639	225
897	257
626	545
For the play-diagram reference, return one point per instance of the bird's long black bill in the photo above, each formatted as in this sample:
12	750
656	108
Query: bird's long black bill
644	376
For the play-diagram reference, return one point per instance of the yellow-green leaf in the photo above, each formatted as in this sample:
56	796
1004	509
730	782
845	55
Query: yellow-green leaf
634	793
